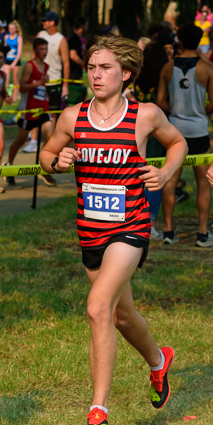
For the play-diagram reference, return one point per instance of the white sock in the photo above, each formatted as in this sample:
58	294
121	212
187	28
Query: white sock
160	365
33	141
99	407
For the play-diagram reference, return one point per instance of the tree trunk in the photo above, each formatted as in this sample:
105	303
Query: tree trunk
23	16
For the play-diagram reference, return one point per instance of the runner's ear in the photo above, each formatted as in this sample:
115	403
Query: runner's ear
126	74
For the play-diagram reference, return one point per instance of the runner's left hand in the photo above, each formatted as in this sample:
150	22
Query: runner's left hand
153	178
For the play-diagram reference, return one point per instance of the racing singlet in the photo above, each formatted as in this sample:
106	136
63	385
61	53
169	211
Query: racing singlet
35	98
13	44
111	197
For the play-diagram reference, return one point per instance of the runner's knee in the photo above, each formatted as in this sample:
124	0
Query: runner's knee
99	312
124	319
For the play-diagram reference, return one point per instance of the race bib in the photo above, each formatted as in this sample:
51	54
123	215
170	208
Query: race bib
40	93
104	202
11	54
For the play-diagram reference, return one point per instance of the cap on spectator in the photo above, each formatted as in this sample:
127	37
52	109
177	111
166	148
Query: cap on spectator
51	16
3	23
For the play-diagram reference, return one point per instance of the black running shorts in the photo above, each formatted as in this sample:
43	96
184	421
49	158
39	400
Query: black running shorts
92	257
198	145
30	124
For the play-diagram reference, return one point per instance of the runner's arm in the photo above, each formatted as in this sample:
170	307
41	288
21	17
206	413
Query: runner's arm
64	52
162	99
74	56
4	95
209	107
58	144
172	140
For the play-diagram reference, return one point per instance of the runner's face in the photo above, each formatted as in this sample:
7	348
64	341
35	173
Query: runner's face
41	51
48	24
105	75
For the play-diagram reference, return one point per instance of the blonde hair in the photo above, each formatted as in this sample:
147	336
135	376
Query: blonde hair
126	51
17	25
171	13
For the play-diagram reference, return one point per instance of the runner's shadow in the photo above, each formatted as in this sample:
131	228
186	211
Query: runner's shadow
194	390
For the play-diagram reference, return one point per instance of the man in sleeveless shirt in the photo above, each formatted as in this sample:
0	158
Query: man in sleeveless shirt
113	218
57	59
33	95
185	81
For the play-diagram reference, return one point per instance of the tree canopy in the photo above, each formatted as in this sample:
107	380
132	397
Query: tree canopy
129	15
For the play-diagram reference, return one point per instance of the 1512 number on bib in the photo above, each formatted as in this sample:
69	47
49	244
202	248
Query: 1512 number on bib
104	202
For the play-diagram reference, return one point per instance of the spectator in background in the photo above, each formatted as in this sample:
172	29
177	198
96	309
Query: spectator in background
145	90
3	31
142	42
205	25
166	41
76	42
33	95
182	90
154	31
58	60
76	48
209	174
13	58
209	16
171	14
3	97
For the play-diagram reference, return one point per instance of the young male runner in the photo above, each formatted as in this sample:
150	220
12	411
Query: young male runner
33	95
185	82
113	220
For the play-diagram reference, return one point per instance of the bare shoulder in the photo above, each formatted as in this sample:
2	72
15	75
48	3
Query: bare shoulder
203	66
72	111
168	68
27	67
68	119
63	41
148	111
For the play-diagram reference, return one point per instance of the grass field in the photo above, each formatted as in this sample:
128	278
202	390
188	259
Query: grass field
44	368
44	334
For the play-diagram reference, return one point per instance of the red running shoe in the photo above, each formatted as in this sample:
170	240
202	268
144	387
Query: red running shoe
160	388
97	417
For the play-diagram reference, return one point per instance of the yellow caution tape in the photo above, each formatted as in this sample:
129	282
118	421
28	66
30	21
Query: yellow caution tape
190	161
36	112
59	81
35	169
27	170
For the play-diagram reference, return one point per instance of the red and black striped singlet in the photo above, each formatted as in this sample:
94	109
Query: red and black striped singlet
110	157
